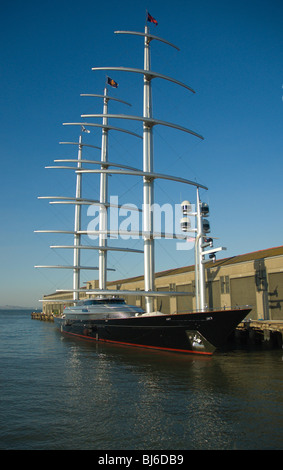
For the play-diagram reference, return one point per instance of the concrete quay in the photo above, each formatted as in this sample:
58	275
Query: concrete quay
266	334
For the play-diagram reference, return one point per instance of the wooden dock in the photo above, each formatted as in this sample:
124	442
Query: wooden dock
42	316
260	333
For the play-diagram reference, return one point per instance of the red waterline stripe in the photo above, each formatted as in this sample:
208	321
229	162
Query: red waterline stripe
187	351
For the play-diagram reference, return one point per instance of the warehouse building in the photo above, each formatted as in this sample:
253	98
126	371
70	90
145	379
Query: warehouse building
254	279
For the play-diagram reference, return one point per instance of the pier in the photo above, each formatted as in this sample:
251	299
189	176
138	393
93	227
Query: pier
267	334
42	316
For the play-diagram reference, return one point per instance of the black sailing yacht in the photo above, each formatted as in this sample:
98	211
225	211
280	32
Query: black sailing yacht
104	315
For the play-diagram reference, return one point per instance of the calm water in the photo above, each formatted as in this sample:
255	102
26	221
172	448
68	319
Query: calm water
60	393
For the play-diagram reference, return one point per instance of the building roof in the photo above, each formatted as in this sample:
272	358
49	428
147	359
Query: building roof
255	255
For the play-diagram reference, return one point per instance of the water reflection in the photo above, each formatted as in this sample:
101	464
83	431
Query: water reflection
158	400
62	393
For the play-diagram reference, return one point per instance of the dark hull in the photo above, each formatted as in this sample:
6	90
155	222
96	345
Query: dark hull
199	333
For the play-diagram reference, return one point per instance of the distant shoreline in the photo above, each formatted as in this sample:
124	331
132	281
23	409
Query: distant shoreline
15	307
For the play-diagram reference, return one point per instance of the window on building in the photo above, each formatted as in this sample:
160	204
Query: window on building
225	284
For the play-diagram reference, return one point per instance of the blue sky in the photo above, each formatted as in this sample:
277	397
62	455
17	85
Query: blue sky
231	54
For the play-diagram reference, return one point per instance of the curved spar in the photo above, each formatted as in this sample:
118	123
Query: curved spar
149	74
149	122
149	175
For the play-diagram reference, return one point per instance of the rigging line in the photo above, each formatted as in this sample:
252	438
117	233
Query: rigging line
167	252
88	154
128	274
138	183
61	215
179	264
161	188
179	156
64	282
48	212
159	91
42	272
60	255
124	149
125	274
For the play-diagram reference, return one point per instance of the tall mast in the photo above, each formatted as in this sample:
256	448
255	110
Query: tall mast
103	197
148	173
200	258
103	200
148	190
77	225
